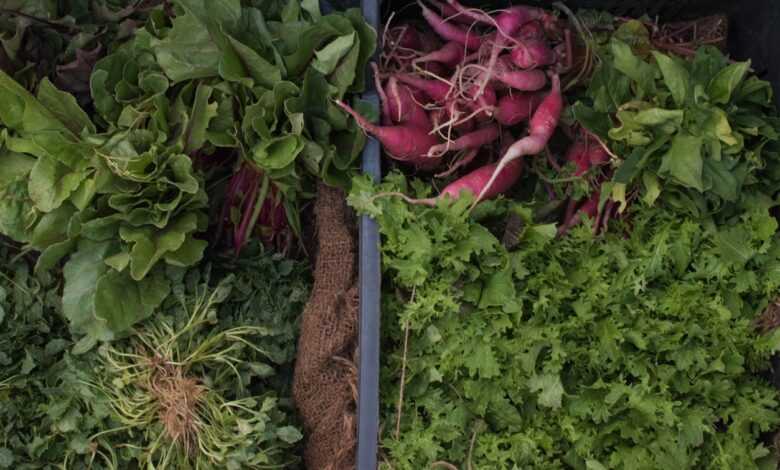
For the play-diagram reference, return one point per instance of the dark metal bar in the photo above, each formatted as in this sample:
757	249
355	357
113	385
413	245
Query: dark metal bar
370	290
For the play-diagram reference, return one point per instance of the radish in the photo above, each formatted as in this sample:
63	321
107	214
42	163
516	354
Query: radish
586	155
403	108
405	143
435	89
523	80
451	116
384	103
450	55
474	139
532	54
467	158
517	107
589	208
449	31
430	41
434	68
450	13
507	22
484	102
477	181
473	183
405	36
531	30
578	154
541	128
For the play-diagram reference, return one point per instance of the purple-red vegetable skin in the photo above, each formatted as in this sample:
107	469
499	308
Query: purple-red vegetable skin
522	80
449	31
517	107
532	53
474	139
435	89
405	143
475	181
541	128
450	54
403	108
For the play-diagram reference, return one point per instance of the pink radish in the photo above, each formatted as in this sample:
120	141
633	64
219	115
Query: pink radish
489	181
435	89
467	158
531	30
533	53
484	102
405	143
477	181
435	68
507	22
589	208
517	107
450	13
441	116
449	31
475	139
430	41
450	55
585	155
541	128
578	154
384	104
403	108
473	183
405	36
522	80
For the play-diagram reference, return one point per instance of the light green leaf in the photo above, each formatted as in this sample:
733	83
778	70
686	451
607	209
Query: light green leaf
150	245
329	56
51	183
726	81
632	66
675	76
81	274
312	7
64	106
683	161
652	187
549	388
187	52
670	119
277	153
241	61
289	434
200	117
122	302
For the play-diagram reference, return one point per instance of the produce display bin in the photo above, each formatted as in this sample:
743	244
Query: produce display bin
752	34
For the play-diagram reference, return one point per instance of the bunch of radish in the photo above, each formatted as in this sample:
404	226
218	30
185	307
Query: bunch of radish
588	155
470	89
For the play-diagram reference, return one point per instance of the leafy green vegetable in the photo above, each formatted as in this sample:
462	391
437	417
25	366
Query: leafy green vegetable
635	350
692	126
61	42
61	410
121	195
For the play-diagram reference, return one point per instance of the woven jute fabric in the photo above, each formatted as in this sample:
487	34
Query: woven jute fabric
324	386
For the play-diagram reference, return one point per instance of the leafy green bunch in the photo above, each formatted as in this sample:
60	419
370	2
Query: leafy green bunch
232	324
633	350
122	195
115	204
696	130
62	40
